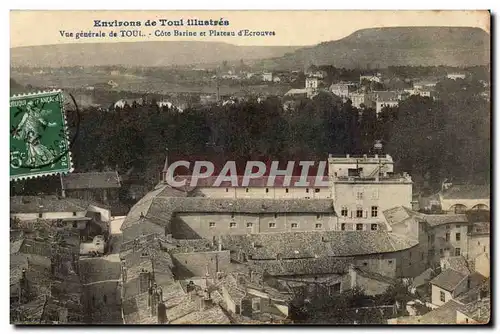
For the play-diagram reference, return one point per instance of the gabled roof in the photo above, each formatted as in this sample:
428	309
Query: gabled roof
445	314
37	204
467	191
457	263
449	279
423	278
93	180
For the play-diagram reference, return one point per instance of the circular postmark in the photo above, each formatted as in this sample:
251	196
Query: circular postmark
40	136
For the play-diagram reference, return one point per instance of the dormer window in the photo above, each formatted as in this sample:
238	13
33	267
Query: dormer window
74	214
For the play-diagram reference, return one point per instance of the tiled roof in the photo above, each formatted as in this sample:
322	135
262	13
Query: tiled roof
385	95
159	209
479	310
449	279
214	315
375	276
290	245
135	263
467	191
445	314
423	278
397	214
98	269
314	266
457	263
93	180
15	246
37	204
436	220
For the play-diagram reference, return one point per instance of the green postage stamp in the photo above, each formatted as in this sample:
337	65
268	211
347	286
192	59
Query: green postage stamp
39	139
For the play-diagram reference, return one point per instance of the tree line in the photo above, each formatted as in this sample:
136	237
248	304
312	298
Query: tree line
433	140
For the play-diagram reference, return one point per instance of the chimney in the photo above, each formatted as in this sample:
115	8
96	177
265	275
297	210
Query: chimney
219	244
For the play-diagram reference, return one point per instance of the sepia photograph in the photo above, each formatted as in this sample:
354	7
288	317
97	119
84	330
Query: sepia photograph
250	167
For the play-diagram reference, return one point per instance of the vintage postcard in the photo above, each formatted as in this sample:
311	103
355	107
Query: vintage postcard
250	167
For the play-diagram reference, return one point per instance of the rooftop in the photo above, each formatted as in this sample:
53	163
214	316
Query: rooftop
445	314
479	310
278	182
457	263
38	204
449	279
93	180
436	220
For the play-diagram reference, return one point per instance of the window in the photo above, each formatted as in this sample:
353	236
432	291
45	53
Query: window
342	226
478	243
442	296
374	227
335	288
211	224
458	226
272	225
286	190
374	211
359	227
422	256
441	252
246	190
484	249
466	320
318	216
447	237
457	236
295	225
343	212
75	225
227	190
365	263
359	195
249	225
390	261
144	254
359	213
448	227
275	215
307	190
457	251
40	215
232	215
319	225
267	190
316	190
232	225
74	214
105	299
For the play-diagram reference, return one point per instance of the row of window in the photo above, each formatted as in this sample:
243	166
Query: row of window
458	236
40	215
271	225
316	190
343	226
458	251
318	216
359	211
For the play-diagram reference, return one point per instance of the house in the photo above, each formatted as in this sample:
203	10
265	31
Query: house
112	84
371	283
297	92
342	89
102	187
312	83
385	99
424	84
122	103
455	76
267	76
459	198
371	78
361	99
450	284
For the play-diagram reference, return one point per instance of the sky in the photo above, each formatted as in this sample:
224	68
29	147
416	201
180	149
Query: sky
29	28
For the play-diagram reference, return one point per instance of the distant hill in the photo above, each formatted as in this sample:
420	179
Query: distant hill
164	53
397	46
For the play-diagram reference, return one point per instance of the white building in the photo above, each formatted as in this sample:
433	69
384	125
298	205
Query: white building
455	76
374	78
342	89
312	83
364	186
267	76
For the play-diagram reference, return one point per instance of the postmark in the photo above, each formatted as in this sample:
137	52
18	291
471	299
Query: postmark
39	137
